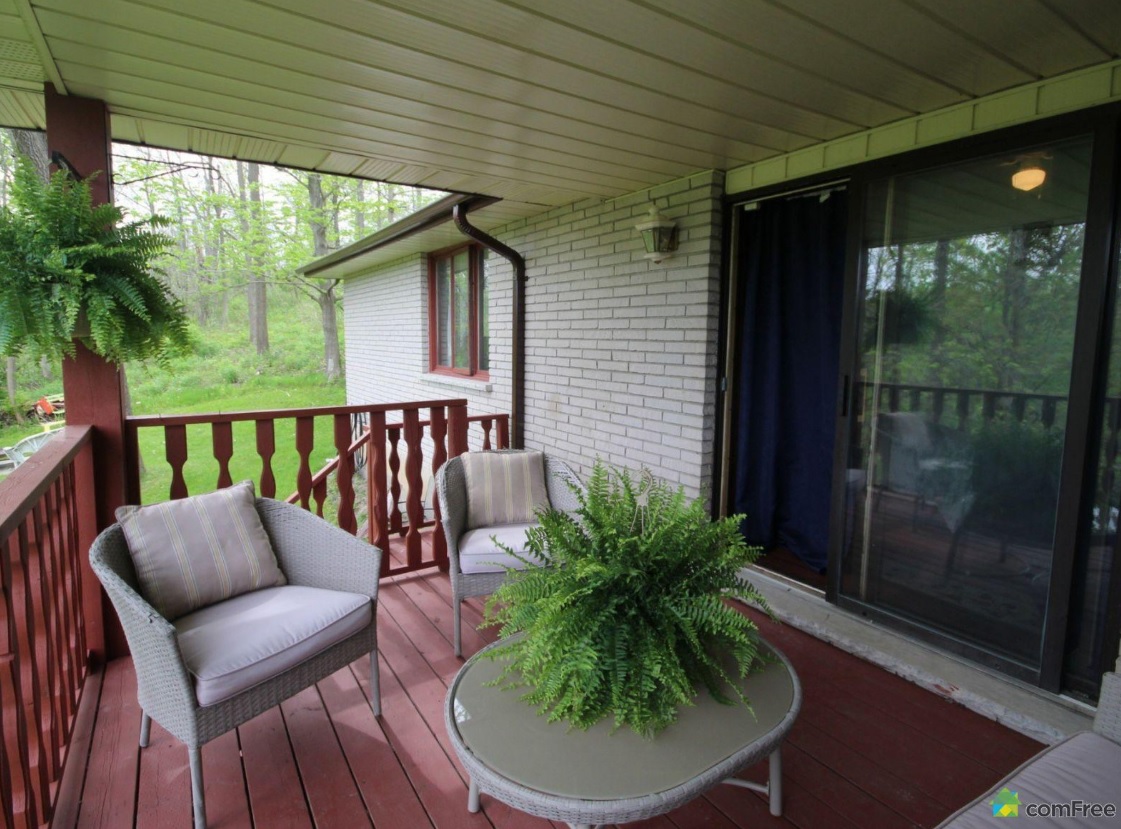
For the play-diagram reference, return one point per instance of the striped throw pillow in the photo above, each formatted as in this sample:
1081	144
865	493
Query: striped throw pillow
504	488
200	550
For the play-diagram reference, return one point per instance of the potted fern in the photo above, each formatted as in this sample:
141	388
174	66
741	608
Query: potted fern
630	620
69	268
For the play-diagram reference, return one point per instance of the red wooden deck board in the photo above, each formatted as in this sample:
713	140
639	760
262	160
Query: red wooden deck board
109	793
331	791
163	796
870	749
276	796
385	788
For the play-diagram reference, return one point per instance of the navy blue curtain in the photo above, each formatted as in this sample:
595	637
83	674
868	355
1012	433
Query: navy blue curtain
790	281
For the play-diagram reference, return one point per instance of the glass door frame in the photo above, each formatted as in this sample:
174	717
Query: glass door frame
1087	388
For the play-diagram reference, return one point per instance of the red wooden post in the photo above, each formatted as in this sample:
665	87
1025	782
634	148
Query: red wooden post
84	526
503	432
78	128
457	428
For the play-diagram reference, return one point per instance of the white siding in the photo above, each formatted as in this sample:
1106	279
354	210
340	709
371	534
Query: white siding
620	351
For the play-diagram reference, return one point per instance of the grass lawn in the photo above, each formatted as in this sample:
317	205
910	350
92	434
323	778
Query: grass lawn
226	375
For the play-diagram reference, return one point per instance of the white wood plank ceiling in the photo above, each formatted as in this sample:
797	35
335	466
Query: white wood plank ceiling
540	102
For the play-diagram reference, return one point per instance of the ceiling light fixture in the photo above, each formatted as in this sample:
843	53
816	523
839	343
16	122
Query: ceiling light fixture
1030	175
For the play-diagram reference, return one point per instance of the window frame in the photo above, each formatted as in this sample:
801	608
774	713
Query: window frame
474	279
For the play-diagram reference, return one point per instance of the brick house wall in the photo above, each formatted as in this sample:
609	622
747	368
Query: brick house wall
621	353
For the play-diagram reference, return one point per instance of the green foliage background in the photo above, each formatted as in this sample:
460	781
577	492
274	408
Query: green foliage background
632	616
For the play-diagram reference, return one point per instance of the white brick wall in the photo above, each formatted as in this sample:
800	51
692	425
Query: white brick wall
621	353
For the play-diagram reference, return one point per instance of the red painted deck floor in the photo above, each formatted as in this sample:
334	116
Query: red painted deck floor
869	750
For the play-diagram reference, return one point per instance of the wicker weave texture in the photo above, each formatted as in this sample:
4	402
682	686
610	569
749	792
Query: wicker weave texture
451	491
577	811
310	552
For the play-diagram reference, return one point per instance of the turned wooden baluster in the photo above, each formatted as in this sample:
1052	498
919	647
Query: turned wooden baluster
1048	416
414	506
963	409
376	493
394	435
319	494
175	450
503	432
438	430
486	424
344	474
988	406
223	439
266	448
305	442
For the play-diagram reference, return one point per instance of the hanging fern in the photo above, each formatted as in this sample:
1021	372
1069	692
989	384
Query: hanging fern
61	257
630	619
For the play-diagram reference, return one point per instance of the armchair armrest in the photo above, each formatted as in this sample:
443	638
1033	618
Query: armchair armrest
560	480
312	553
164	687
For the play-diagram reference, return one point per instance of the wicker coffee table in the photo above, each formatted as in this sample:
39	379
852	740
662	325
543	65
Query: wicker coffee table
587	778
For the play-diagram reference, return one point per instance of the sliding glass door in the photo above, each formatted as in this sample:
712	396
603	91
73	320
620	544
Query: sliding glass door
965	320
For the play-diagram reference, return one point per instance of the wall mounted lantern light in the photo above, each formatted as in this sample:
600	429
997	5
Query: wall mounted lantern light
659	235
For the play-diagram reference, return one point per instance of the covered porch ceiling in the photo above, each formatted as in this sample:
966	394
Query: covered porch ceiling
535	102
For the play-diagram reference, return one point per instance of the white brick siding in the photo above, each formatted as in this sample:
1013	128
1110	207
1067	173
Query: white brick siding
621	352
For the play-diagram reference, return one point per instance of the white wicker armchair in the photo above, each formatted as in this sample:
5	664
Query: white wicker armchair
311	554
451	490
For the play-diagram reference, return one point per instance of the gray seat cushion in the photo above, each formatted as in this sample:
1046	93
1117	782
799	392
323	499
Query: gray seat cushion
1084	767
236	644
478	553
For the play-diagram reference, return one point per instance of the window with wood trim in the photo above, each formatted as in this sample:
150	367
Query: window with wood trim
458	318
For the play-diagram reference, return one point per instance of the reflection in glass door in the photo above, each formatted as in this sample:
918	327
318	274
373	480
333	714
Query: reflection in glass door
969	291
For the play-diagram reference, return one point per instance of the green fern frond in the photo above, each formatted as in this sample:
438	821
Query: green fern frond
630	619
61	255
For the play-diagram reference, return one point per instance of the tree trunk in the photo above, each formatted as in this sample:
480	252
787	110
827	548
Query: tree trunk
34	146
12	381
324	293
328	310
359	209
249	193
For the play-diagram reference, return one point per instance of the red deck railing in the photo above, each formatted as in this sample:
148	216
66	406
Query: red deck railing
49	620
364	437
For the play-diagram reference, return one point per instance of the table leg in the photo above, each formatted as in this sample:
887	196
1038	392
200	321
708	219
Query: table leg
473	797
774	786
